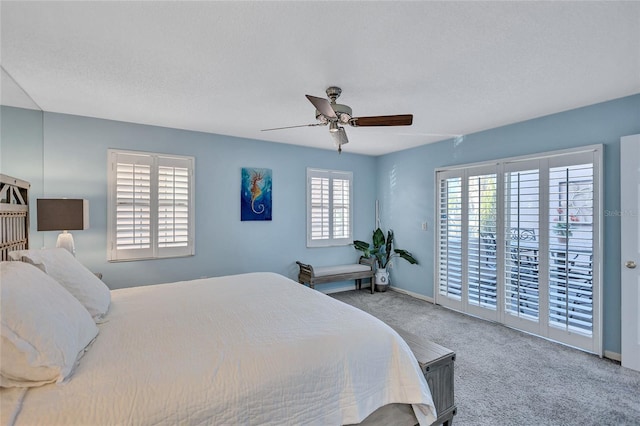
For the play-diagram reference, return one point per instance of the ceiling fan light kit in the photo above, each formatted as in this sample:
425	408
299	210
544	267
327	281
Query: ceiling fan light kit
342	112
334	114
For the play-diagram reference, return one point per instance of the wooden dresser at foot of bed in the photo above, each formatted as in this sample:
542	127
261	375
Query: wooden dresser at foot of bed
436	363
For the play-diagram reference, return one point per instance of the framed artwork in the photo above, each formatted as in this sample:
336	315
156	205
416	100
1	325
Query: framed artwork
255	194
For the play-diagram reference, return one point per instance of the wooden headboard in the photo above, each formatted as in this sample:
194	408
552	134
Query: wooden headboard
14	215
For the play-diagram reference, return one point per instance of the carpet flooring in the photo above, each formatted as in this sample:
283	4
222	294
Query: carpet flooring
507	377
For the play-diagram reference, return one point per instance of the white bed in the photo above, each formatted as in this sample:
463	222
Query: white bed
248	349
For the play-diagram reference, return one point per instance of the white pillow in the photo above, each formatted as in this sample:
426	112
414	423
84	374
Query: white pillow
59	264
45	330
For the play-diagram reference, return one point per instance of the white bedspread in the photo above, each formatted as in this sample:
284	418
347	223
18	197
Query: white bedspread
247	349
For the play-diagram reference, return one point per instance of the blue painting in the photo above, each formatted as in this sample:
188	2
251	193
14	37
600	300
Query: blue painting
255	195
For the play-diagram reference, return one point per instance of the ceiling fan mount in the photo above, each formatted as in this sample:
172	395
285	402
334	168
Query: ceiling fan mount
333	93
328	111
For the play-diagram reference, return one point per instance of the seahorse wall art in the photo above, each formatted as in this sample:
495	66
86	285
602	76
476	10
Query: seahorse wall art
255	196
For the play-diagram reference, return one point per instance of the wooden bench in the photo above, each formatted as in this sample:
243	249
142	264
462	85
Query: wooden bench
326	274
436	363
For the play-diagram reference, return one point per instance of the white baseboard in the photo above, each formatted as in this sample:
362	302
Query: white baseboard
412	294
613	355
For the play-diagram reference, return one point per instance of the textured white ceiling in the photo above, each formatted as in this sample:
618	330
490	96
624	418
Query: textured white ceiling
237	67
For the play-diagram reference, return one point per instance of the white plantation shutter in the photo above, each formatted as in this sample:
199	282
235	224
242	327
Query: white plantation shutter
133	204
150	205
450	237
521	236
341	208
319	221
519	242
481	242
328	208
571	241
173	206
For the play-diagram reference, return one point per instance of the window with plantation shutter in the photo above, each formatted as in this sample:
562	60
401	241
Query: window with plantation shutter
329	208
173	206
133	205
150	205
571	241
519	242
449	237
481	243
522	242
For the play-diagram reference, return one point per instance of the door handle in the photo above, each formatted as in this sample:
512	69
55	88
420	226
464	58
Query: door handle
630	264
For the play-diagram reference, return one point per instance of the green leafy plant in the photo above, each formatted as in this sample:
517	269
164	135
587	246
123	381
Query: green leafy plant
563	223
382	249
562	229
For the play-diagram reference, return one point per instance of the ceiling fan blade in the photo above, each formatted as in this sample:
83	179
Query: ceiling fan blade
323	106
293	127
339	137
383	120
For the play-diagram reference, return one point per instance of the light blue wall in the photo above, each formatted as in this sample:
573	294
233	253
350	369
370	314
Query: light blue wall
406	187
75	159
73	164
21	136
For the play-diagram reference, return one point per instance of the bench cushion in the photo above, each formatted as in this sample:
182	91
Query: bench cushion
324	271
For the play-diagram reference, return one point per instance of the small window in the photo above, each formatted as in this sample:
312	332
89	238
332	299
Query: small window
329	208
151	206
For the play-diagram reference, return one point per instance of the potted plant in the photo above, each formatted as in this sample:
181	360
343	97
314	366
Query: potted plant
384	252
562	226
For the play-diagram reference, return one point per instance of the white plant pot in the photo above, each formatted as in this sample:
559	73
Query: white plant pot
381	280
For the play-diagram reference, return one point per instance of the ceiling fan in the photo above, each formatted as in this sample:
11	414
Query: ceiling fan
335	115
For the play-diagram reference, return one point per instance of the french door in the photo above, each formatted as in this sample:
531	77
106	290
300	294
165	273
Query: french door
630	249
520	237
518	243
467	269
